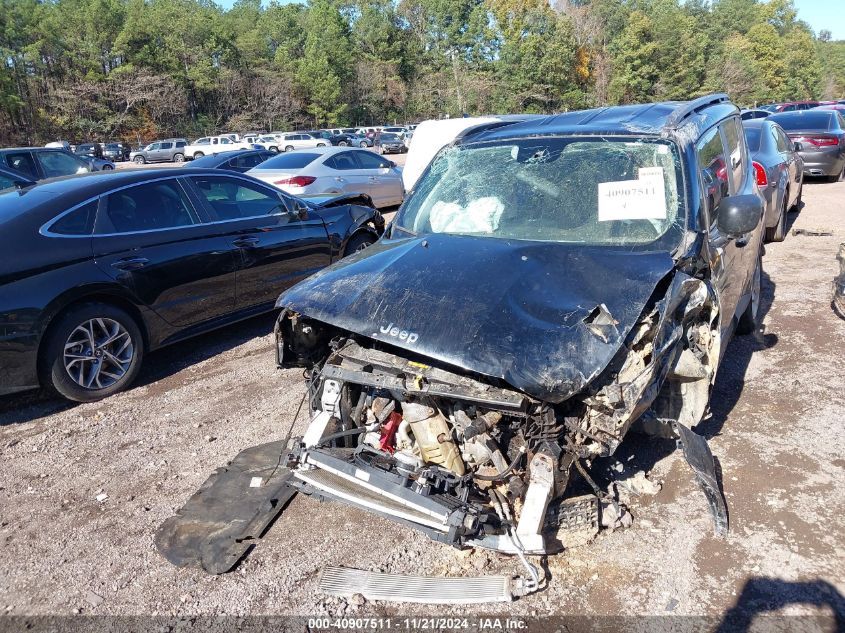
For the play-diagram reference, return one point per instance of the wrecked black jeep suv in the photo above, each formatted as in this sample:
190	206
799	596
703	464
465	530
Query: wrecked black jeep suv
546	285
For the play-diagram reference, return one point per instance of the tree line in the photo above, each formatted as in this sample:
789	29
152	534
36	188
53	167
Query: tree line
142	69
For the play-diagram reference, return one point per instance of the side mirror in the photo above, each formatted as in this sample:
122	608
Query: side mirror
798	147
300	211
388	164
739	215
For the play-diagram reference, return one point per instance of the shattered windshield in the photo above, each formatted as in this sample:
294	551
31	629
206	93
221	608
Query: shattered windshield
592	190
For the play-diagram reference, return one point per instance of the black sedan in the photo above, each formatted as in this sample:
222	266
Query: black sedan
240	160
821	134
779	171
100	269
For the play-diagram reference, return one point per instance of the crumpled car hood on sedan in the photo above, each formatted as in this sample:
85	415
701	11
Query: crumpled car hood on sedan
544	317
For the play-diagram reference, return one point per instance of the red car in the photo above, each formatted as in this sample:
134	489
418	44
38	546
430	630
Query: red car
792	106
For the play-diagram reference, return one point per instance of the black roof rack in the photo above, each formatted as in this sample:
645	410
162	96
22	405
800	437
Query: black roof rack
691	107
501	121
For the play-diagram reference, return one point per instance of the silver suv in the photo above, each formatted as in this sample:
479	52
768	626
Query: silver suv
169	150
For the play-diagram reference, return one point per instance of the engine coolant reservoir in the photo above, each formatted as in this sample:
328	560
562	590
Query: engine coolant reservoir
433	437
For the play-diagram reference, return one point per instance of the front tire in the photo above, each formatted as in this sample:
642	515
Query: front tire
748	322
321	144
358	242
107	168
273	149
363	145
140	160
94	351
342	143
178	158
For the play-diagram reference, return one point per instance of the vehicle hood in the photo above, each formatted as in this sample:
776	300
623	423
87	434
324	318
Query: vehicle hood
326	200
546	318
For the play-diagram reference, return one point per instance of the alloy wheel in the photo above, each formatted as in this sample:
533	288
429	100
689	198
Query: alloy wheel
98	353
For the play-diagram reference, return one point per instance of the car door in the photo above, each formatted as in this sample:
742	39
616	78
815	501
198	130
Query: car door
726	257
161	247
22	161
224	145
150	152
347	173
794	163
164	152
385	183
55	164
278	245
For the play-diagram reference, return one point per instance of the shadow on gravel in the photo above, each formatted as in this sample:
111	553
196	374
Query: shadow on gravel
731	377
20	408
174	358
764	595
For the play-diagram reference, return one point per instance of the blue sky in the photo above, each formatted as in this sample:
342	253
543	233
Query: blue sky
819	14
823	14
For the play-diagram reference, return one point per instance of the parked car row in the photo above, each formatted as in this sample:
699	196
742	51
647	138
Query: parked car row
100	270
817	128
38	163
106	268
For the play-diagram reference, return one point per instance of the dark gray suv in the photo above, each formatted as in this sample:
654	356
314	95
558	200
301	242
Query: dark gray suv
547	285
169	150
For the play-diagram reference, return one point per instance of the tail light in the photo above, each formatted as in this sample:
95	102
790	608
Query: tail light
817	141
760	173
296	181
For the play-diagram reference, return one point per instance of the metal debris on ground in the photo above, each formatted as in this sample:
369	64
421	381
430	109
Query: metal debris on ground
812	233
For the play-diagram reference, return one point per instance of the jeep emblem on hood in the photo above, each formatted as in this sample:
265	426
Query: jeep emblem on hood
402	335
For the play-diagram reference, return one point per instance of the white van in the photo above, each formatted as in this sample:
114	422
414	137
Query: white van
431	136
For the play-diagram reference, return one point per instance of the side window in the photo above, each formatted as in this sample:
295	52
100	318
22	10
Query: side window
6	183
78	222
22	162
214	141
243	163
154	146
781	140
201	141
344	161
734	148
58	164
714	171
369	160
180	144
234	199
166	145
148	207
225	141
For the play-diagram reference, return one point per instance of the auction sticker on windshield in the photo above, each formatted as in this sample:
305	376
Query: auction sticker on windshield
641	199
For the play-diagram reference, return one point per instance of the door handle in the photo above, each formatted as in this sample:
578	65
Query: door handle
372	179
244	242
339	179
131	263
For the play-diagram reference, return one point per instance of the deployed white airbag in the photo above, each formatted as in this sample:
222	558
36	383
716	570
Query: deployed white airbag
479	216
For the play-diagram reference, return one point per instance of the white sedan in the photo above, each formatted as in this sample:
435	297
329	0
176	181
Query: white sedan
328	170
300	140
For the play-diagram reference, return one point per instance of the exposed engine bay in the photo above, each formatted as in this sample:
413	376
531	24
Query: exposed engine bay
473	462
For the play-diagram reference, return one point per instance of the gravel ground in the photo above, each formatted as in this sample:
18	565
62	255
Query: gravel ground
776	428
